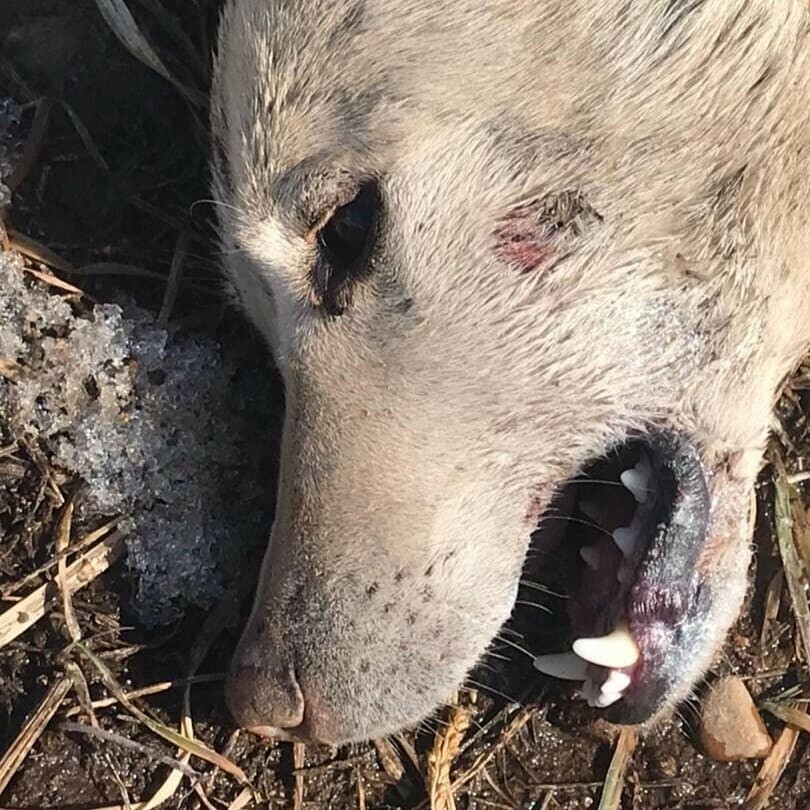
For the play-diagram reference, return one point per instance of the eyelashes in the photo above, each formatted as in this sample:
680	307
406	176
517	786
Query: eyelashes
345	241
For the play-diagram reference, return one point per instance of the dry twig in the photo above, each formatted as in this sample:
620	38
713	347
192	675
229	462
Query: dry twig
145	691
123	25
614	780
786	507
389	759
28	611
88	540
31	731
40	253
175	273
793	716
299	752
193	747
516	724
132	745
772	769
33	144
61	543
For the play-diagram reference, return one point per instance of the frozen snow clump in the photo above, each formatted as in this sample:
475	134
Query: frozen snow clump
160	428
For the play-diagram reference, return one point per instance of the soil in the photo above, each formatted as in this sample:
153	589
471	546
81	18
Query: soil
128	208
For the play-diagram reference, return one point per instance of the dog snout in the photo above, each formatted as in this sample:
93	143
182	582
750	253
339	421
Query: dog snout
265	699
269	701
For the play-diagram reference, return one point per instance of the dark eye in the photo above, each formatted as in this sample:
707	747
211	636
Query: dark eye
344	245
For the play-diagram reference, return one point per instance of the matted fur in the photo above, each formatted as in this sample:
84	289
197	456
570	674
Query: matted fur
487	355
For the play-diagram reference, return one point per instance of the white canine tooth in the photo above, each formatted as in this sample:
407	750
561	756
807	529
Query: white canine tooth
603	700
591	509
637	479
616	683
567	666
625	573
615	650
627	537
590	554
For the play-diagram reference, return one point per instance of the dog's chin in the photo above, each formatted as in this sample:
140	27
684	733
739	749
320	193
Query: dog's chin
642	611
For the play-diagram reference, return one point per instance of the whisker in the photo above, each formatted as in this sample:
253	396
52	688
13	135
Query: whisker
592	481
486	688
542	588
511	643
600	481
215	204
590	524
510	630
544	608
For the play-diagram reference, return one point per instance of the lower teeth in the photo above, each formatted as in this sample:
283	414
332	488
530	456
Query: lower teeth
590	658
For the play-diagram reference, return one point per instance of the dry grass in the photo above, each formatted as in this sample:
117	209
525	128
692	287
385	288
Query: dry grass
772	769
31	731
440	760
614	780
450	771
29	610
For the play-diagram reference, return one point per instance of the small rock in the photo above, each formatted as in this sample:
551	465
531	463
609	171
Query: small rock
730	726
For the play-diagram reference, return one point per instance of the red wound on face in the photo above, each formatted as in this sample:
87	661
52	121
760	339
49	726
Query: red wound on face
537	234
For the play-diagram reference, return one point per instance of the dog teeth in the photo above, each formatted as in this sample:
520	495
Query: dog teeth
615	650
637	479
604	699
566	666
625	573
616	683
628	537
592	510
590	554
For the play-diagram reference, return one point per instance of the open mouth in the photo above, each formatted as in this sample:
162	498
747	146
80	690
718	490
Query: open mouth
638	519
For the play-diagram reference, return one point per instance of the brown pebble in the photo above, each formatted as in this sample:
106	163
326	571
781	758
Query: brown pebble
730	726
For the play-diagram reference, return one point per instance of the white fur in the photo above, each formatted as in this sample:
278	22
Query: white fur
418	436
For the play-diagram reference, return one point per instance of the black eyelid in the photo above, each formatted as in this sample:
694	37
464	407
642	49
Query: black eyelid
345	240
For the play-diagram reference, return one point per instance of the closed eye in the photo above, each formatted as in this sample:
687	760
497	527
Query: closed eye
344	245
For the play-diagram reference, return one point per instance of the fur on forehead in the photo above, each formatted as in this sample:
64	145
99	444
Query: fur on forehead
591	119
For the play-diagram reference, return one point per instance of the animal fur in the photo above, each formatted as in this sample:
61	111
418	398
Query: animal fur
593	222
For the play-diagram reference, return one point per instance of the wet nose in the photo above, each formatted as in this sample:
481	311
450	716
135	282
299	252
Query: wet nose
267	701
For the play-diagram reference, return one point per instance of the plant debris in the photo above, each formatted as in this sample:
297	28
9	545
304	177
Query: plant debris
139	417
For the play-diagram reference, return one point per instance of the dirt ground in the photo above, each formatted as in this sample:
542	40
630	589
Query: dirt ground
122	161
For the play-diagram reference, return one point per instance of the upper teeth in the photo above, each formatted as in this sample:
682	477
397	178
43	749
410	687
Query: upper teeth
567	666
637	479
615	650
590	554
627	537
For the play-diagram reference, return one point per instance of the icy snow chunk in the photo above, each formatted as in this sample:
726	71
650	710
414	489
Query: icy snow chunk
158	427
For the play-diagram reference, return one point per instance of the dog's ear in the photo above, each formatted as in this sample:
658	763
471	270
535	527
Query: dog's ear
537	233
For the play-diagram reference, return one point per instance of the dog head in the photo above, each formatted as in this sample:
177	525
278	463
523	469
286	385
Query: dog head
494	250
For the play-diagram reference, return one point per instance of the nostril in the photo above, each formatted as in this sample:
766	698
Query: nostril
259	697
